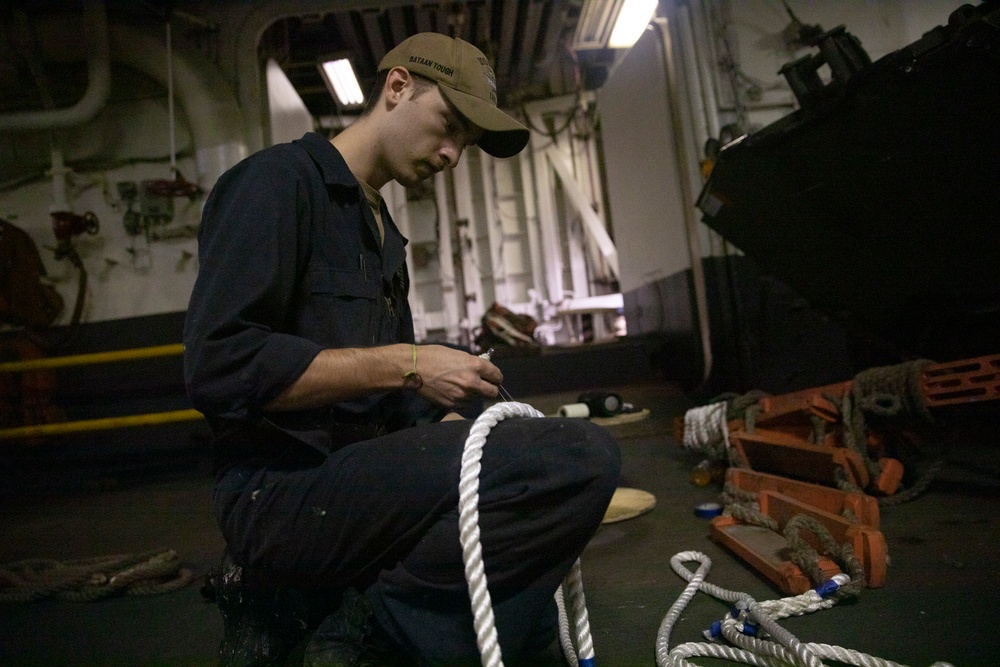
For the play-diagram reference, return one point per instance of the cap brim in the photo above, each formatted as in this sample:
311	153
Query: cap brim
502	135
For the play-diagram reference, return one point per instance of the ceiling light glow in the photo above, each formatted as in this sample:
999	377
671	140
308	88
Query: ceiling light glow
340	75
632	20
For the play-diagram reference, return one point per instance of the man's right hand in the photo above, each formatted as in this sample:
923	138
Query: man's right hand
452	377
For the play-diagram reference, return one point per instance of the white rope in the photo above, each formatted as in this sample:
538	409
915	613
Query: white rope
578	606
751	622
472	553
706	427
565	638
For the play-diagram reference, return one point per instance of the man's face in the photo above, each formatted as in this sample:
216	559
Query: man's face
428	135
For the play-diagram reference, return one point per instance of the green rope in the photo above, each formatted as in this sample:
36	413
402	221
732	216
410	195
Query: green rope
819	429
745	407
918	487
743	506
887	391
807	558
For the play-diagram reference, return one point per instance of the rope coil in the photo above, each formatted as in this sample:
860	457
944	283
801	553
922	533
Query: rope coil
90	579
706	429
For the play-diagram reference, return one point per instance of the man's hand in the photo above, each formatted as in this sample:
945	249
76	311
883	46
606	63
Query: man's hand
453	377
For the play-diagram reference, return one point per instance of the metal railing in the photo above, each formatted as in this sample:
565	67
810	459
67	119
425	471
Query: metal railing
104	423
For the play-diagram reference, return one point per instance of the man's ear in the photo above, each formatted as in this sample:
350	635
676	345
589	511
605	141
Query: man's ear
396	82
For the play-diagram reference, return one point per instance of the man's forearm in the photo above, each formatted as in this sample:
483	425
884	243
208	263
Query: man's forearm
440	374
343	374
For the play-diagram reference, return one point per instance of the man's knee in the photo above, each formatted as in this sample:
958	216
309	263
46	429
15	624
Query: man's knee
588	448
554	458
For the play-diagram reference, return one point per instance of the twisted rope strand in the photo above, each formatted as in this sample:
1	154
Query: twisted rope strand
584	640
484	621
468	524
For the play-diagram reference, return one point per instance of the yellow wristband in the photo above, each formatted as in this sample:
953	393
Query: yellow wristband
413	375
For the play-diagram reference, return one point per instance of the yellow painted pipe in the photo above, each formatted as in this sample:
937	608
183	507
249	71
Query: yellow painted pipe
105	423
173	349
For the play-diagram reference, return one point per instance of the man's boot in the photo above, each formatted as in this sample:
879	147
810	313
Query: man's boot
263	623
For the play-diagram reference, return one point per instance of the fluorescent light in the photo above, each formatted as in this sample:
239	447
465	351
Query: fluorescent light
632	20
340	75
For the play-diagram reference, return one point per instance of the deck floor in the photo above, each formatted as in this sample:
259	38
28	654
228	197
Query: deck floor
940	600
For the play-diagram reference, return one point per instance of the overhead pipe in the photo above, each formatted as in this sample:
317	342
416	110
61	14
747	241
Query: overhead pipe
95	22
207	100
241	35
446	259
525	170
691	74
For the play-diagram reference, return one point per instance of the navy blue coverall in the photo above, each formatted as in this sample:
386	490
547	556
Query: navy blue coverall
364	493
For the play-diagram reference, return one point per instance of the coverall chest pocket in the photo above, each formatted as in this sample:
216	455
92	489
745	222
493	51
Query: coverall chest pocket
342	307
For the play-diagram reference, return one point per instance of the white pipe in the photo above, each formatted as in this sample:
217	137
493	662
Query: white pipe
95	22
712	27
576	238
531	226
242	29
548	224
214	119
692	83
170	103
472	281
594	189
395	199
684	164
706	55
494	227
59	172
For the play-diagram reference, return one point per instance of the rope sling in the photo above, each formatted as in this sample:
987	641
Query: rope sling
752	627
747	626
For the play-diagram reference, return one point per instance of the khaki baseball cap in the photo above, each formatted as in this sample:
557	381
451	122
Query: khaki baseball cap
465	78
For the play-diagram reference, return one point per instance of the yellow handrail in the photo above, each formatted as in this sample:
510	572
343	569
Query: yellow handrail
172	349
98	424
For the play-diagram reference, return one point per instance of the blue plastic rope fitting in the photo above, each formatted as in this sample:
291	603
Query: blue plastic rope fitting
587	662
715	629
827	588
750	630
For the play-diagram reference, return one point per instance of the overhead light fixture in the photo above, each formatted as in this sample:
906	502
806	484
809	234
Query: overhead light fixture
632	20
342	82
614	24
